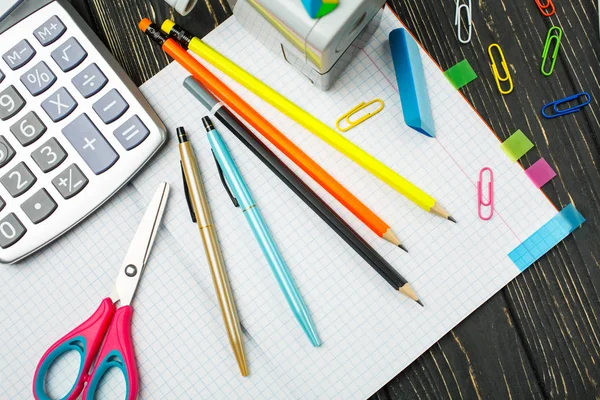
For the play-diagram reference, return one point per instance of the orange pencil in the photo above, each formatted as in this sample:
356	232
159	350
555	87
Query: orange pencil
272	134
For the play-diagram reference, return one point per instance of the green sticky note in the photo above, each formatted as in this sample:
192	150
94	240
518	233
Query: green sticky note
460	74
516	145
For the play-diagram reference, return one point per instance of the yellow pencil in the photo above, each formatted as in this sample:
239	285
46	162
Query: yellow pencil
324	132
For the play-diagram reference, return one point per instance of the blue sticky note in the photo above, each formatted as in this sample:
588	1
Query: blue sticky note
545	238
411	82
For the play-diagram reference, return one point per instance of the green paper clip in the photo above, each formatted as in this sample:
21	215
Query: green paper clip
554	35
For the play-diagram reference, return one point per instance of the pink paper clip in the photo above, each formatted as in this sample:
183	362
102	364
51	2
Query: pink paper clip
481	201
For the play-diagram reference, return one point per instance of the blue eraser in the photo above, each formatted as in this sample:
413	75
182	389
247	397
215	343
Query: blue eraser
411	82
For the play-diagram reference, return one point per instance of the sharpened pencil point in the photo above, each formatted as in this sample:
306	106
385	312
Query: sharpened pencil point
420	303
403	248
451	219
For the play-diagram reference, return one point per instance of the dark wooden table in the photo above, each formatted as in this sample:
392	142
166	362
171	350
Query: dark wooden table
540	336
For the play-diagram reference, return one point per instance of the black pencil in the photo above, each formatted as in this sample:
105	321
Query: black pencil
305	193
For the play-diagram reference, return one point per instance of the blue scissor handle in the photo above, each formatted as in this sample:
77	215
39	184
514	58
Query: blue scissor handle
114	359
75	344
84	339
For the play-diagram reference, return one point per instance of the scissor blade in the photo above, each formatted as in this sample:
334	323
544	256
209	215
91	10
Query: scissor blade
139	249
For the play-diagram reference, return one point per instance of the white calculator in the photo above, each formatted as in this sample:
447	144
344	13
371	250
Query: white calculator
74	127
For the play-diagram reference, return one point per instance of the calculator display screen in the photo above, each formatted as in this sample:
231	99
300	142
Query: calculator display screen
13	11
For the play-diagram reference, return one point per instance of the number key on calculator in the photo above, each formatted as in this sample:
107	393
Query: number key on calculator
75	128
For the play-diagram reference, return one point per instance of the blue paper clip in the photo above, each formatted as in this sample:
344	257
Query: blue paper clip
570	110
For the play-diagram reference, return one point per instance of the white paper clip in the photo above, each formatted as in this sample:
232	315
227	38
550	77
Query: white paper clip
469	18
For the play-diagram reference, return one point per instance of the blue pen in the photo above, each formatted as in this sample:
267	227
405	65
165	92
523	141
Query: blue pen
241	197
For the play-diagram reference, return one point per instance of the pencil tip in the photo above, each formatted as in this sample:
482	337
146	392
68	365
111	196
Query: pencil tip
403	248
420	303
451	219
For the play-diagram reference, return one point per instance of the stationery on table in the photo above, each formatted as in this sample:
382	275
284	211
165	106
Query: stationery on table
244	200
503	77
305	119
358	208
210	241
104	339
308	196
369	333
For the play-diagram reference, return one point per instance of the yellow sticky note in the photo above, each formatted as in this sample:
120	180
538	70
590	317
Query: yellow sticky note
516	146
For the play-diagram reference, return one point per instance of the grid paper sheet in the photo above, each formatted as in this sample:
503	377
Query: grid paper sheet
370	332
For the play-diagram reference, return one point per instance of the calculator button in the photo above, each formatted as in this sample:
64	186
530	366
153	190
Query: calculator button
39	206
18	180
11	103
132	133
69	54
111	106
59	105
50	31
49	156
90	144
1	76
6	152
2	204
19	55
28	129
38	79
70	182
11	230
89	81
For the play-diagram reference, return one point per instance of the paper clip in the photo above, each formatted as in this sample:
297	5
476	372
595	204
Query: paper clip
351	124
497	77
559	113
554	35
481	201
546	9
469	17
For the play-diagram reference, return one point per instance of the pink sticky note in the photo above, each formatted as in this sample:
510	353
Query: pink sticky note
540	173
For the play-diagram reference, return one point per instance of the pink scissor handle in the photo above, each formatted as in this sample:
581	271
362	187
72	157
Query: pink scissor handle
116	352
85	339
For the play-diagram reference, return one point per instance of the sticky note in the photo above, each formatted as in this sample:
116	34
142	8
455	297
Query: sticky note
460	74
412	86
545	238
540	173
516	146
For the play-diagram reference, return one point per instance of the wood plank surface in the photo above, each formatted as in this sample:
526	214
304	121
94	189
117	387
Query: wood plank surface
538	337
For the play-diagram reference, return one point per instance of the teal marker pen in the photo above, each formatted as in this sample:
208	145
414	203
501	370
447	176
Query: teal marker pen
241	197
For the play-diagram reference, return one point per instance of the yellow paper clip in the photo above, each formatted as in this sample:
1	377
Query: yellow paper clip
499	79
351	124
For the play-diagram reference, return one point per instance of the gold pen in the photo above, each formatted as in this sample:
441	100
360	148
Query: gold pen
199	204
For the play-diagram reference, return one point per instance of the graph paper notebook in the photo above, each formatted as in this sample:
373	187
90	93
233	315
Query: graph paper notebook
180	342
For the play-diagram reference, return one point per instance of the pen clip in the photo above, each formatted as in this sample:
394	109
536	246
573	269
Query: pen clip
222	176
187	194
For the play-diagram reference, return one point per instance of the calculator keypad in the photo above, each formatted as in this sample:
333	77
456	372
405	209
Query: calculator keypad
28	129
69	54
50	31
49	156
70	182
11	103
19	55
91	145
39	206
132	133
38	79
11	230
110	106
59	105
6	152
72	131
18	180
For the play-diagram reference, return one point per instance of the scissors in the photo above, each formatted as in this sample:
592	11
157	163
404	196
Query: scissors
108	323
